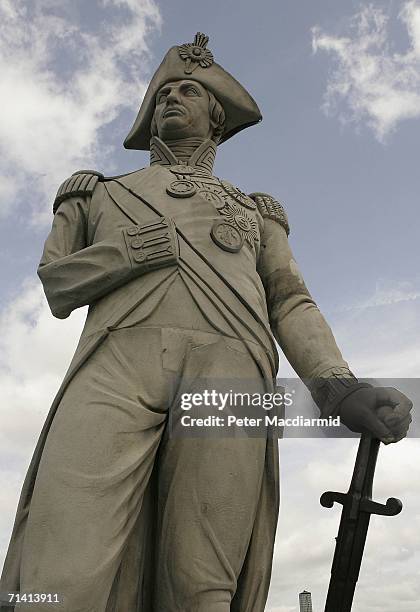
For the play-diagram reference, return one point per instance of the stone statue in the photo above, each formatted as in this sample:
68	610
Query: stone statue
186	277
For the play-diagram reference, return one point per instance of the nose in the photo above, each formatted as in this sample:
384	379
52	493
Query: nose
173	96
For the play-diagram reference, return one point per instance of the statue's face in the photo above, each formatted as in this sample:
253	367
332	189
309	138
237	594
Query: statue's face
182	110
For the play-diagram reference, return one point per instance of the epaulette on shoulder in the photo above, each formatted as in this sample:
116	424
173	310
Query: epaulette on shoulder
81	183
271	209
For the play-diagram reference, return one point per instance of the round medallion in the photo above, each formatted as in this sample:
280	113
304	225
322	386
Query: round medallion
182	169
181	189
133	231
226	236
212	197
238	195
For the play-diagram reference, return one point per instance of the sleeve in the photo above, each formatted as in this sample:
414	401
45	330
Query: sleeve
297	324
73	273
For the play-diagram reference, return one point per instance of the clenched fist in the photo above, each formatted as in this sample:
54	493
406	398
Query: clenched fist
383	412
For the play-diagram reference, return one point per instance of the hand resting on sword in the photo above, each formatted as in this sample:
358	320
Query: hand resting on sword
382	412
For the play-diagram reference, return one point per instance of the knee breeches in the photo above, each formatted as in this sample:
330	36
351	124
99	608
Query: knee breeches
108	435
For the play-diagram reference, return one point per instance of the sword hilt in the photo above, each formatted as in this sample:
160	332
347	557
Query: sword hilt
392	507
360	491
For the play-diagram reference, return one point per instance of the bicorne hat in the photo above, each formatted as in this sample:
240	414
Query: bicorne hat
194	61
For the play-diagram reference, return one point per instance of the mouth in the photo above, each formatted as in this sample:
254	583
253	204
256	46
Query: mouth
173	112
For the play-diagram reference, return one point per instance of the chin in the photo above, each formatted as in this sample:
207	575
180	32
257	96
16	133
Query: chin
175	132
174	124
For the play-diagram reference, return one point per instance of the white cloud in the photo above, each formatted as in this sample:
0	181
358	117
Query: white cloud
35	351
371	82
61	84
389	292
378	337
378	333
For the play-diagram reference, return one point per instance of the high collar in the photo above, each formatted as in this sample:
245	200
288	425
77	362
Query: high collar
203	156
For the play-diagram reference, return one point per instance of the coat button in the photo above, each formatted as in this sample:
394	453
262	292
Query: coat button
137	243
139	257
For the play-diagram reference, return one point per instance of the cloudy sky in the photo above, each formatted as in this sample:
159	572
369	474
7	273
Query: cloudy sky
338	83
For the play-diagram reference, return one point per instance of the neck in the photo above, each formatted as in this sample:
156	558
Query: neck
184	148
191	151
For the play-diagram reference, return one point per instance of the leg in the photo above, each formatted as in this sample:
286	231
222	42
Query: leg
210	492
93	472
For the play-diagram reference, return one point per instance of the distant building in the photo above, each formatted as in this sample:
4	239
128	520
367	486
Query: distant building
305	601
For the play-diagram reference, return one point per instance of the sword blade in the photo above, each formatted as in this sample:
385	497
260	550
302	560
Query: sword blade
354	524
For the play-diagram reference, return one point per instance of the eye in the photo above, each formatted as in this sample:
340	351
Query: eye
162	98
192	91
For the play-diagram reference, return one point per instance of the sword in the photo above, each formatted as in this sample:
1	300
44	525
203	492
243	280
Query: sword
357	507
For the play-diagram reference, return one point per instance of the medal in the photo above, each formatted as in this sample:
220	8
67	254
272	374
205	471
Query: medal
226	236
181	189
243	221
